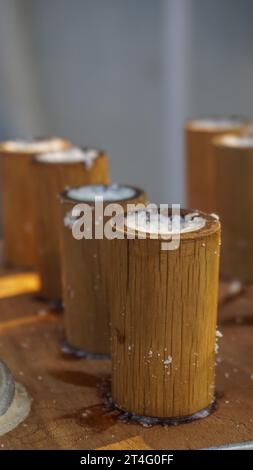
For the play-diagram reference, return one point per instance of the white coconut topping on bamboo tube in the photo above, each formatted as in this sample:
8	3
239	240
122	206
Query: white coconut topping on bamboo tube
33	146
161	224
218	123
237	141
70	155
112	192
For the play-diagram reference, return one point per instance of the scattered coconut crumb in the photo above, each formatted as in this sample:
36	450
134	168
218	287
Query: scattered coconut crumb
168	360
226	375
72	294
251	376
216	346
234	287
42	312
39	377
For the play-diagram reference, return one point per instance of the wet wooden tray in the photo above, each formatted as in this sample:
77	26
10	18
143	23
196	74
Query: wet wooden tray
67	407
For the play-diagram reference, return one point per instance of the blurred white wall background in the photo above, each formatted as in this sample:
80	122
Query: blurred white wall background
124	75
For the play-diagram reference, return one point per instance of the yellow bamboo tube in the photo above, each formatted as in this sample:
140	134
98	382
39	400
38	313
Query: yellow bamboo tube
234	162
87	270
18	198
164	323
200	168
52	175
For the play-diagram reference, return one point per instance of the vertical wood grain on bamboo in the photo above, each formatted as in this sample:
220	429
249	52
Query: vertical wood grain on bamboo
200	168
51	179
86	268
18	198
164	324
235	201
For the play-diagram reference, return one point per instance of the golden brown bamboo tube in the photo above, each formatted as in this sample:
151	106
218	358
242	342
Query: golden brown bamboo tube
86	273
234	162
72	167
164	324
200	169
18	197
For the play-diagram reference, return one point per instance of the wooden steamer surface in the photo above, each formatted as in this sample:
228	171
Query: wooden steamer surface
164	324
234	162
18	198
67	410
51	178
200	167
86	279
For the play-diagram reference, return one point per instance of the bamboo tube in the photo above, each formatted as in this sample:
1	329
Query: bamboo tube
164	324
18	197
200	169
234	162
73	167
86	273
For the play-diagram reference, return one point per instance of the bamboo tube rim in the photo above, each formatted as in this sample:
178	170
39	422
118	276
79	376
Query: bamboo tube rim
222	141
138	192
233	122
212	225
37	161
4	150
